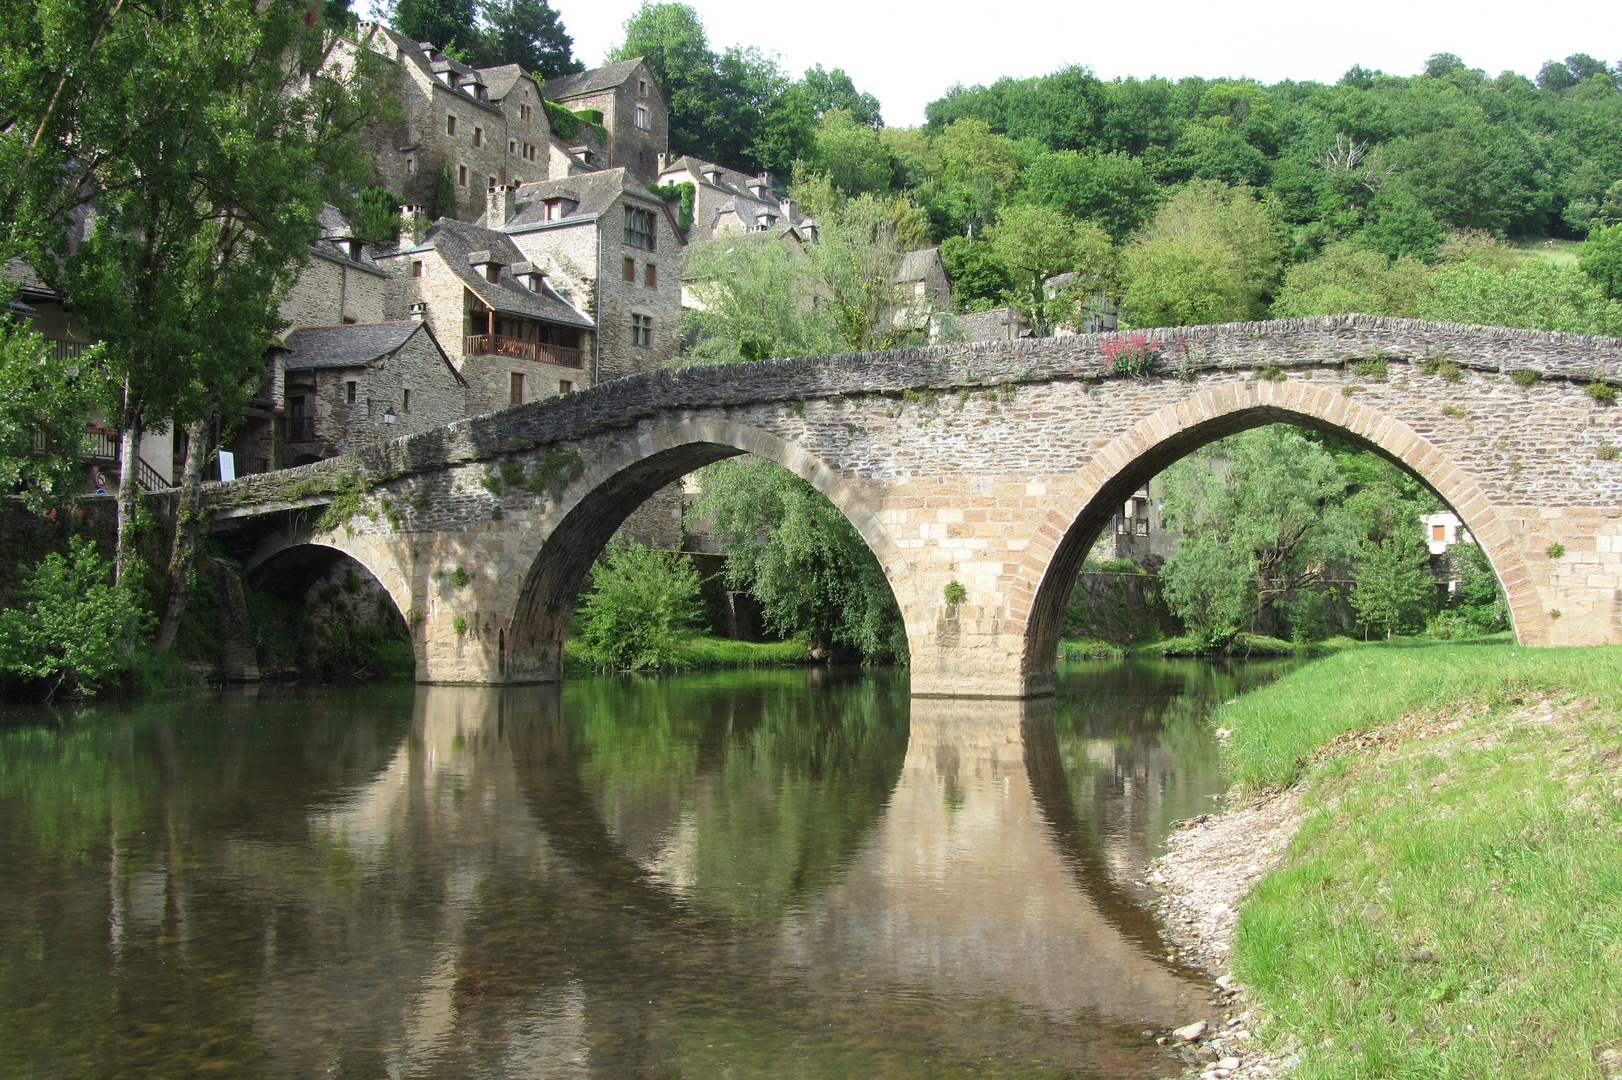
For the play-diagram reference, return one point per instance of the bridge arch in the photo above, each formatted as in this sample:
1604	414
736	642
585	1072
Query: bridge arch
1045	575
615	484
290	563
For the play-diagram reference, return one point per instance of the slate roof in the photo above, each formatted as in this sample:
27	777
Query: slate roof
915	265
499	81
412	52
603	78
456	240
350	345
592	192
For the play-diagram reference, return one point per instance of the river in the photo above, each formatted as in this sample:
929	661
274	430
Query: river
795	874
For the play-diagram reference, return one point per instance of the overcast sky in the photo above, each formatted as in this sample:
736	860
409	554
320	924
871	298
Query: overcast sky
907	54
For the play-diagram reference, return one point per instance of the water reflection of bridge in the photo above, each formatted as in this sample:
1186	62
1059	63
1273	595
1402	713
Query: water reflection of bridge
531	906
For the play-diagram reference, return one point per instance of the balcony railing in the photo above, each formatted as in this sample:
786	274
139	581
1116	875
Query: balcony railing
66	350
101	444
300	429
496	345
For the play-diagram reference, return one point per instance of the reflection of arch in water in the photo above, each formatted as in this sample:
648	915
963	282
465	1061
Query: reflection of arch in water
1050	564
618	482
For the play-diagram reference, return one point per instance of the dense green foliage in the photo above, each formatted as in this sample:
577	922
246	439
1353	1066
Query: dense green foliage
801	559
43	403
488	33
1393	589
639	607
76	626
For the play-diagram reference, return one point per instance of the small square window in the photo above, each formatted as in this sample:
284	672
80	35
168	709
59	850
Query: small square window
630	269
450	125
351	393
492	272
641	330
565	386
650	276
416	268
461	175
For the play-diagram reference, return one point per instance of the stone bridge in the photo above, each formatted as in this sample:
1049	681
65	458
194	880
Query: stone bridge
992	465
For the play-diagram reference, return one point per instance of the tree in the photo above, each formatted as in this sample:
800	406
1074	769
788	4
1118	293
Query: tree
76	626
446	23
1112	189
852	155
1536	295
1392	581
1347	278
1037	244
640	606
826	91
1211	255
754	294
377	215
445	193
1602	259
798	556
209	150
1256	533
980	281
44	401
527	33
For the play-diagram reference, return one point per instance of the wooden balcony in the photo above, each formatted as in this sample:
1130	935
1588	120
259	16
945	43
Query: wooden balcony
496	345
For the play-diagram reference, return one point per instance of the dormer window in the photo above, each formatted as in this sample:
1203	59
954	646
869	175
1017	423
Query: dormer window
355	247
533	280
492	272
554	209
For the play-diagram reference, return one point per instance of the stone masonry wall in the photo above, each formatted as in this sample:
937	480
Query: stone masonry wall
990	465
328	292
436	398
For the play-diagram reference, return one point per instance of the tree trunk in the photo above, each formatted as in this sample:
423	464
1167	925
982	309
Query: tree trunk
188	531
129	488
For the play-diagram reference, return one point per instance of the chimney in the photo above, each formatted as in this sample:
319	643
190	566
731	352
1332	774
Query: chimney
498	209
419	310
761	186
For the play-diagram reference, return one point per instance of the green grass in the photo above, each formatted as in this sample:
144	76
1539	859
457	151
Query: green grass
704	652
1452	906
1559	252
1090	649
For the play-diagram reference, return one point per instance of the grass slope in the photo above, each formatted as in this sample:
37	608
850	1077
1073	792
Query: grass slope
1452	906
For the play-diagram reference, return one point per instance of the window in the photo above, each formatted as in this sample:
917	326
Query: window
512	146
565	386
416	268
639	228
641	330
461	175
650	276
630	269
405	401
450	124
492	272
554	209
351	395
642	118
642	88
1438	532
516	396
642	158
411	166
525	113
478	136
530	152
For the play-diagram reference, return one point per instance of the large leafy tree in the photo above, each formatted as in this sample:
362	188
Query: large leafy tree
527	33
1037	244
1212	254
449	24
1348	278
1536	295
826	91
1253	533
1393	588
172	164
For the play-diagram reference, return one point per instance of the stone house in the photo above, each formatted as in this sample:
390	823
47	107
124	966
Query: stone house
488	125
356	383
726	201
341	283
633	112
514	337
923	291
613	250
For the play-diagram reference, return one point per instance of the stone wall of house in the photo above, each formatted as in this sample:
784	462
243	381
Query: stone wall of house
988	466
490	379
630	147
621	299
329	292
341	428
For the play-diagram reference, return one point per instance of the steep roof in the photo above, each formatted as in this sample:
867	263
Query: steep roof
457	240
585	82
915	265
413	52
592	192
355	345
499	81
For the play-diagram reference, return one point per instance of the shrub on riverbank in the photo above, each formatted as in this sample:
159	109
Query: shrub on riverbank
697	651
1452	905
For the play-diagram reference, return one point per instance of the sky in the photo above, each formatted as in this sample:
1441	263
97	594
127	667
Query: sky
908	54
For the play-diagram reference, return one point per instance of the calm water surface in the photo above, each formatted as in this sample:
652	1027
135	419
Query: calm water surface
757	874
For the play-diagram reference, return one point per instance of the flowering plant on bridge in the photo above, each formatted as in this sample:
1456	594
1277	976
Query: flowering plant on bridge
1129	354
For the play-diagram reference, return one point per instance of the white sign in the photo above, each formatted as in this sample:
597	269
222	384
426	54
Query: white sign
228	465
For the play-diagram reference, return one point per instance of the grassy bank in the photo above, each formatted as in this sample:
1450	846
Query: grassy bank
701	651
1452	906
